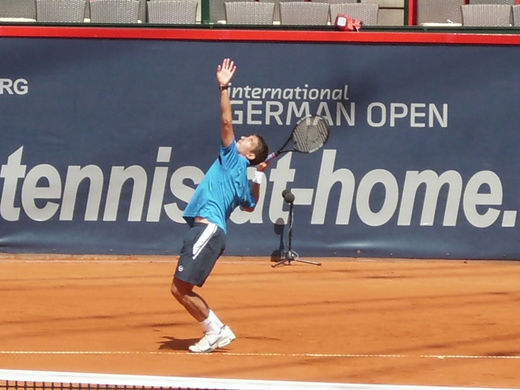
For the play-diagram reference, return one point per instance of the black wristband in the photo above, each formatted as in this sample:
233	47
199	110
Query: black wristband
223	87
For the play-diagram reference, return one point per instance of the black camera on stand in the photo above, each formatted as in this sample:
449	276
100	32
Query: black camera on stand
290	255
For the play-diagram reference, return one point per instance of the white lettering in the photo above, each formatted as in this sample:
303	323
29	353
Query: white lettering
75	177
415	115
326	180
433	184
389	201
475	199
32	191
14	87
182	191
11	172
377	197
118	178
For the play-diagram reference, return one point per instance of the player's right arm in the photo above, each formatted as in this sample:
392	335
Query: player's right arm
225	73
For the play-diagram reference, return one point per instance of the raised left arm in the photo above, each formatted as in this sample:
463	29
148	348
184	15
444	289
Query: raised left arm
225	73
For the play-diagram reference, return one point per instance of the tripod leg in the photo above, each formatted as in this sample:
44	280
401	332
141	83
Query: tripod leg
291	256
307	261
287	258
284	261
295	257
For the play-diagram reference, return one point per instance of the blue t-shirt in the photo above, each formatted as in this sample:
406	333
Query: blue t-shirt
224	187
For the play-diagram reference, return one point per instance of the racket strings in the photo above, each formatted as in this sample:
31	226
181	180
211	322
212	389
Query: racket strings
310	134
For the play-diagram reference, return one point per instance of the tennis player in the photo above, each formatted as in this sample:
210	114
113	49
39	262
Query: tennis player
224	187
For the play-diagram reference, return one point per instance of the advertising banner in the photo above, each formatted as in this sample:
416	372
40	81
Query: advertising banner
103	142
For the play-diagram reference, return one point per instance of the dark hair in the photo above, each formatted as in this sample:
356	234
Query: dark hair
261	151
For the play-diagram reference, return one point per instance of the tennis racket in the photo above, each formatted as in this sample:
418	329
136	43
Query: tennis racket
308	135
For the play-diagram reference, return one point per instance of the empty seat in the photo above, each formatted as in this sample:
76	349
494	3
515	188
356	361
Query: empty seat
510	2
114	11
439	11
60	11
277	6
338	1
516	15
486	15
366	12
304	13
249	12
25	9
217	11
172	11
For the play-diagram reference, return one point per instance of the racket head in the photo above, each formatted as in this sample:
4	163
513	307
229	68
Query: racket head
310	133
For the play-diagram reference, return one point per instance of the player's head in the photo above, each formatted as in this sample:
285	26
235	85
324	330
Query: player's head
254	148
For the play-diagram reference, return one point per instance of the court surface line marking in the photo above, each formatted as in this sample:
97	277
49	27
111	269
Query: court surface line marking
269	354
189	383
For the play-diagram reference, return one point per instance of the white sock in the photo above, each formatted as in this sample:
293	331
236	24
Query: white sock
212	324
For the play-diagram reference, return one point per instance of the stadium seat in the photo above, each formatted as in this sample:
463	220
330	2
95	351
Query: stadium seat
510	2
486	15
25	9
338	1
60	11
304	13
249	12
114	11
516	15
172	11
277	7
366	12
217	12
439	11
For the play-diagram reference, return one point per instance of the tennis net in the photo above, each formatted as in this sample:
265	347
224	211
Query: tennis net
47	380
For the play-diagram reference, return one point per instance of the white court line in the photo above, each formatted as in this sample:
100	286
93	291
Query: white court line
168	259
190	383
269	354
94	261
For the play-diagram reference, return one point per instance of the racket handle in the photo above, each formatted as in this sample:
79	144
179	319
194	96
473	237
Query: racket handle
270	156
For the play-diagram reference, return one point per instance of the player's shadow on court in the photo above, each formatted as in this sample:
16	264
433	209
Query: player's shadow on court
174	344
279	228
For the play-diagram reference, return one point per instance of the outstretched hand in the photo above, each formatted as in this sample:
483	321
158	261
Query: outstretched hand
225	72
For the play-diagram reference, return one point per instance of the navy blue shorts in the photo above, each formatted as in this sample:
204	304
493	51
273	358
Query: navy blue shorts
203	245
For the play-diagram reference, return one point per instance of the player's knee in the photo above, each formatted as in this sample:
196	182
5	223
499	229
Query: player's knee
174	290
179	289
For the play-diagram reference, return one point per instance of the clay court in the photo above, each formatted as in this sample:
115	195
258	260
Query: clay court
419	322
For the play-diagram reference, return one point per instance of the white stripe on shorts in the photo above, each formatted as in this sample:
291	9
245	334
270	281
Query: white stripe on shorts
204	238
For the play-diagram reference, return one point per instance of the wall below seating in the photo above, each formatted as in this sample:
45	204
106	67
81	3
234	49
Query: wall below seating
104	140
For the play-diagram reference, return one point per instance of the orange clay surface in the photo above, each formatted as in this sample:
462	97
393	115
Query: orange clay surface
422	322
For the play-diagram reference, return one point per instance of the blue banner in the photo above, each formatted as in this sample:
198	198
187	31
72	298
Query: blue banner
104	141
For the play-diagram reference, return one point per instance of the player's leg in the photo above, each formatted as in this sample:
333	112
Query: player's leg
192	302
216	334
203	245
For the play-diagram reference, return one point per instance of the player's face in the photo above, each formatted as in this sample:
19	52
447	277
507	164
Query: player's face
246	145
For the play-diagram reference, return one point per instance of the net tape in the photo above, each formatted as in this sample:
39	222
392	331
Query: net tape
46	380
24	385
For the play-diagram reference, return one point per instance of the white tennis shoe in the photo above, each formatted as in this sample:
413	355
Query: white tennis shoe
210	342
